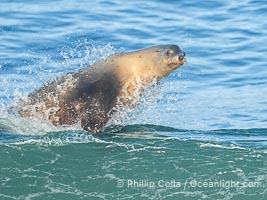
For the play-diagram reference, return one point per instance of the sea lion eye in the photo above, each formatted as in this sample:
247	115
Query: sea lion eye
169	52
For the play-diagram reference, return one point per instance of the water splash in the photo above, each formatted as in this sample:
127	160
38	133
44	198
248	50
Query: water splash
83	53
26	78
131	109
16	124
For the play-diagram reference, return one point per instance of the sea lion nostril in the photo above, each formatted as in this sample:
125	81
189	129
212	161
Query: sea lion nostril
181	57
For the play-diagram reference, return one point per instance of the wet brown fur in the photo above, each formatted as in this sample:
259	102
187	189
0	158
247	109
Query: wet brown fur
88	96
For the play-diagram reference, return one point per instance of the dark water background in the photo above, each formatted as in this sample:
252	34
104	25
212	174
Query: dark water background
207	123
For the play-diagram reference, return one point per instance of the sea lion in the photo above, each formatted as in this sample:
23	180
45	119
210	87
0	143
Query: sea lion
90	95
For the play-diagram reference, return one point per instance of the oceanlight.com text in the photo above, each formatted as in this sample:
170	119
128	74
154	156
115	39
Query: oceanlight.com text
133	183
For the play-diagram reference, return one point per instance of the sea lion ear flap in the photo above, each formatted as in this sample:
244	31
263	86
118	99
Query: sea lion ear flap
94	120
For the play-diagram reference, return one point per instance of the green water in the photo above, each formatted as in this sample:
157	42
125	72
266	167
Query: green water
223	87
143	162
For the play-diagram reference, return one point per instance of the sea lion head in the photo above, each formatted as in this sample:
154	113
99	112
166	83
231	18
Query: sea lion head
168	58
157	61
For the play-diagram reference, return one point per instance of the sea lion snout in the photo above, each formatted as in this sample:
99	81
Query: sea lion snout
174	53
182	56
174	56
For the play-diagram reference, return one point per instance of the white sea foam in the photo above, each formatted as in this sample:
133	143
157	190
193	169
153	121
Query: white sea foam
204	145
19	125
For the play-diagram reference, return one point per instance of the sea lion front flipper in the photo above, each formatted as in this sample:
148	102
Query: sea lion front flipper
95	117
94	120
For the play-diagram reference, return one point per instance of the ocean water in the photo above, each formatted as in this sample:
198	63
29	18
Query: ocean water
200	134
